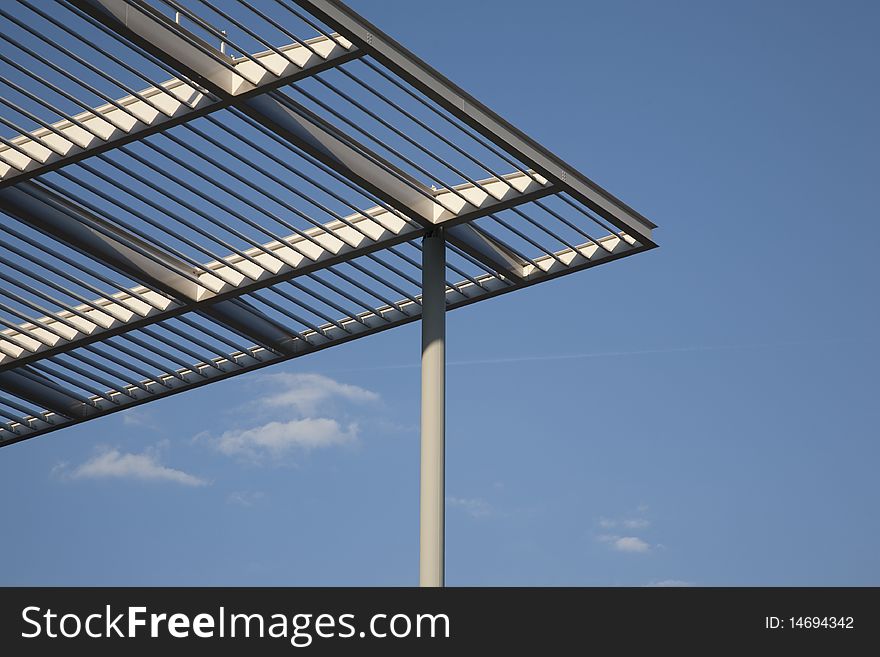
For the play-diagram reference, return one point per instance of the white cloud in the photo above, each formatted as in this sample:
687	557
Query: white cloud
309	399
631	544
276	439
474	507
626	525
308	393
113	464
625	543
670	583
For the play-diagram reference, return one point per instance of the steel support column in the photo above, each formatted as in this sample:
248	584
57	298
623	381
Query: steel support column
433	447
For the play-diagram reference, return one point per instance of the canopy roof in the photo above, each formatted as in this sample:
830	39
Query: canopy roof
194	191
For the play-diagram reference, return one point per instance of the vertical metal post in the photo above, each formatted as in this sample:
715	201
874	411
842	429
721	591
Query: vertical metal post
433	447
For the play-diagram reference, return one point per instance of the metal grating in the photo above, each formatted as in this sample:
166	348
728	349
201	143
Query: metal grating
191	191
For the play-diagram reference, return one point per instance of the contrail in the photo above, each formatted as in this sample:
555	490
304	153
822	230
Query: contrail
604	354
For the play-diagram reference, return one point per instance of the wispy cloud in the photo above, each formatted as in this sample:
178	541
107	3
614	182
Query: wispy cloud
624	539
307	394
474	507
625	543
245	498
313	400
114	464
275	439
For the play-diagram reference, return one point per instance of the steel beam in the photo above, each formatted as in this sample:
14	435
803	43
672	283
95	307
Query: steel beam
305	129
475	242
370	39
44	394
294	256
107	127
184	52
116	248
302	127
199	60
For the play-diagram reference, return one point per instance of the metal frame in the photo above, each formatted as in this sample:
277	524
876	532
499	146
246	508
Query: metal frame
310	190
372	40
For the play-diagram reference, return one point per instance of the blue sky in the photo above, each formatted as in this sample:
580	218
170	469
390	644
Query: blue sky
704	413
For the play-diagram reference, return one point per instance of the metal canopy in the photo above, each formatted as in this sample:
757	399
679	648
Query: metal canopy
191	191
